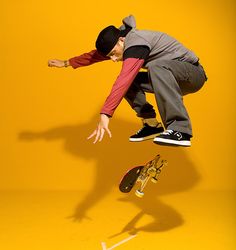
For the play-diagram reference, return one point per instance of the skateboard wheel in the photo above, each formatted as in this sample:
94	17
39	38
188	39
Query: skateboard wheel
154	180
138	193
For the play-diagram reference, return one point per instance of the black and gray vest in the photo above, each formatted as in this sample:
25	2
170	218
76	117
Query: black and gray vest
161	45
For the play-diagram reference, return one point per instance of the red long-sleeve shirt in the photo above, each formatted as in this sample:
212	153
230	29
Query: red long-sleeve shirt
87	59
132	62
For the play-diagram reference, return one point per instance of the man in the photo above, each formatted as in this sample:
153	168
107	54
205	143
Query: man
172	71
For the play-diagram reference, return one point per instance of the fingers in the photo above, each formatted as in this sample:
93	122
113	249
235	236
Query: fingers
93	134
108	131
55	63
96	133
102	134
99	134
51	63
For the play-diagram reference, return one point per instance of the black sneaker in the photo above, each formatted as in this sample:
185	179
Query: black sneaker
173	138
147	132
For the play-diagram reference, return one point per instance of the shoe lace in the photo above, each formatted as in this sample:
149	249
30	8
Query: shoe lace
141	129
168	132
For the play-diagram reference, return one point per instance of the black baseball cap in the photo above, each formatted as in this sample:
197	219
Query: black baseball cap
107	39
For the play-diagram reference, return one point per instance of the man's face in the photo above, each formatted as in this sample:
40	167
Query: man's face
116	53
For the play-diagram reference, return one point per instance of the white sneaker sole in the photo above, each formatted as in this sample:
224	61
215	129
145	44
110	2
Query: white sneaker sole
163	141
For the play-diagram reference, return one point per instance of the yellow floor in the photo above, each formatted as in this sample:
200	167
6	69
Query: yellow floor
69	220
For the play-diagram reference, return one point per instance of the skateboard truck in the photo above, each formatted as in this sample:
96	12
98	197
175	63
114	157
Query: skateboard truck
141	175
151	170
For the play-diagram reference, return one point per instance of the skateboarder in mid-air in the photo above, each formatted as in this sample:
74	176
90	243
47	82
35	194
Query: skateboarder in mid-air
172	71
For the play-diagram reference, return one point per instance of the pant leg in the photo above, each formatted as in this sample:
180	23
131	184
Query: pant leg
136	96
171	80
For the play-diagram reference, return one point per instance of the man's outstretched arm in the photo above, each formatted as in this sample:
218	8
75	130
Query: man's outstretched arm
85	59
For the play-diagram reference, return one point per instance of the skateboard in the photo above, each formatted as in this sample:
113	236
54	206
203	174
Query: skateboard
141	175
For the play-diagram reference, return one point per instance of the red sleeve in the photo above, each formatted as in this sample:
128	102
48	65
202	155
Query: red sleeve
130	69
87	59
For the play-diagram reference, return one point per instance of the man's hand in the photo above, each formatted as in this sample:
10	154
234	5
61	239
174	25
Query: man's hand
101	129
57	63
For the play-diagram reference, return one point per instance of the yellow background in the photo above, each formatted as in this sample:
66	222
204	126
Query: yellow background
47	113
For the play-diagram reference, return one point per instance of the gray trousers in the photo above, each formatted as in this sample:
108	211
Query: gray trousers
169	80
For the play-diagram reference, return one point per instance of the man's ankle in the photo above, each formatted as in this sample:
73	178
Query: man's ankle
150	121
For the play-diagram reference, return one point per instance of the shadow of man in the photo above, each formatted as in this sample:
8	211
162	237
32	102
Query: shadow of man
113	157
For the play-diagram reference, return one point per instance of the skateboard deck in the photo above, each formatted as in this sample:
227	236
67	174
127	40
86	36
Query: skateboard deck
141	175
